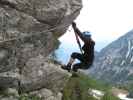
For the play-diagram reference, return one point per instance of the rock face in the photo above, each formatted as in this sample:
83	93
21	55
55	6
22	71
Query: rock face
115	62
46	94
28	33
38	73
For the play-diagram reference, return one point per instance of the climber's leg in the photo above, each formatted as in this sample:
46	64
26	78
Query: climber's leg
81	65
77	66
74	56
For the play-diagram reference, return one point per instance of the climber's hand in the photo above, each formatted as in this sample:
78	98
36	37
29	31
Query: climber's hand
73	24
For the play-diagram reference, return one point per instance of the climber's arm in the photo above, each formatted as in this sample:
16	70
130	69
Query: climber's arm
77	31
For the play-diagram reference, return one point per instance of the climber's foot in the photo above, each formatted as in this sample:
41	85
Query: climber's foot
68	68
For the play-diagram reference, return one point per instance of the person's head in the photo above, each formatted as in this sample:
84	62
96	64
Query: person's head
87	35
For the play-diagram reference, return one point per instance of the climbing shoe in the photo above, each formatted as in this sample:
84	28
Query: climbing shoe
68	68
74	69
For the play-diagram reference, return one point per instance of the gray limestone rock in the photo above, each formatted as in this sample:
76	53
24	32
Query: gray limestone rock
28	33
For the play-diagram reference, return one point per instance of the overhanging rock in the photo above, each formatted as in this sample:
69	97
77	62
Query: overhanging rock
25	44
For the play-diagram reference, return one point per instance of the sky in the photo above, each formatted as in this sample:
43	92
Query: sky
107	20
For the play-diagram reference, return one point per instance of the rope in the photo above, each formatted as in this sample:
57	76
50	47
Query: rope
48	30
78	42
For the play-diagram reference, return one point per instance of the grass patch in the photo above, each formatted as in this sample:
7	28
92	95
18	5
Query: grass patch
109	96
77	88
29	97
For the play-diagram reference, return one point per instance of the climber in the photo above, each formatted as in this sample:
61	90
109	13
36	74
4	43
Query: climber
86	58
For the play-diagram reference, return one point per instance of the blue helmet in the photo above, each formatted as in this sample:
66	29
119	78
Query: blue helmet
87	34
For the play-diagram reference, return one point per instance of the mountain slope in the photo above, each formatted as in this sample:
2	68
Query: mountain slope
115	62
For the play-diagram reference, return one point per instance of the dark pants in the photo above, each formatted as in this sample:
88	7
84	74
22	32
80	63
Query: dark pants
84	64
